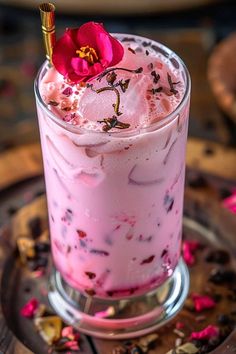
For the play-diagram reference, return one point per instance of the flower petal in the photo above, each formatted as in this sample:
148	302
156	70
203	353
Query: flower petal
73	345
29	309
104	47
80	66
91	34
207	333
63	50
107	47
202	302
230	202
117	50
67	332
88	34
189	248
83	70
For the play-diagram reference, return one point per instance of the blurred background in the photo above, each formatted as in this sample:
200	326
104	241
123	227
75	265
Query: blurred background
193	28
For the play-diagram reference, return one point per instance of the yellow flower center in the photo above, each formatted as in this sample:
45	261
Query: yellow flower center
88	53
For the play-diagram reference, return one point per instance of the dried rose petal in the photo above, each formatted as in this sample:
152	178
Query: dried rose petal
73	345
207	333
67	91
81	233
70	333
148	260
230	202
202	302
189	249
30	308
67	332
188	257
110	311
90	275
38	273
193	245
70	118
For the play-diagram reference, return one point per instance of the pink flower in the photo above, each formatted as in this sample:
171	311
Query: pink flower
189	249
83	53
30	308
202	302
207	333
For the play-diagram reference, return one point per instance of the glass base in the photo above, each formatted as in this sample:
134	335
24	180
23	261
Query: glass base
120	318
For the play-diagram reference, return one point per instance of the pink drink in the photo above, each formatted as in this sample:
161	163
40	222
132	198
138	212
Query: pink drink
115	198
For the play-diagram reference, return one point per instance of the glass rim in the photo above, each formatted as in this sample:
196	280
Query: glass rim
121	133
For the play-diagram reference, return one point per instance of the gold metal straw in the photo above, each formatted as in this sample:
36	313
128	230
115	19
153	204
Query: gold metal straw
48	27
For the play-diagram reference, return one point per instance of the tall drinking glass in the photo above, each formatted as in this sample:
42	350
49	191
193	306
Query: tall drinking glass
115	205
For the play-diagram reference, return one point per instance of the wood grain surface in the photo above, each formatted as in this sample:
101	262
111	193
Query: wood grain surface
212	158
222	77
20	163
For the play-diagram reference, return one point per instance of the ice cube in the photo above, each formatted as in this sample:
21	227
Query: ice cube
95	107
133	104
90	177
61	162
145	174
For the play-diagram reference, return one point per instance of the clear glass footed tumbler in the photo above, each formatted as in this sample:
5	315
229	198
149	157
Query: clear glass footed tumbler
115	205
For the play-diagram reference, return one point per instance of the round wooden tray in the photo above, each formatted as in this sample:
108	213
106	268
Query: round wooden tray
222	75
205	221
108	7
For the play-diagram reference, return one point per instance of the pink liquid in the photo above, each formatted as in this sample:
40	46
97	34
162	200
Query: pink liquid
115	199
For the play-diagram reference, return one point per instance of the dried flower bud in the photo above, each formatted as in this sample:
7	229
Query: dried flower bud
111	77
